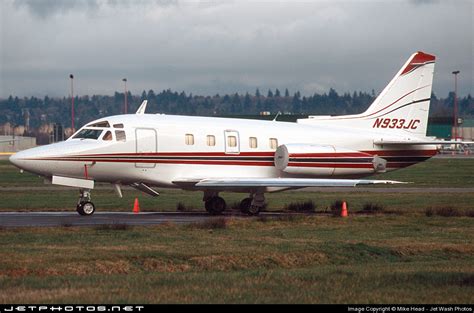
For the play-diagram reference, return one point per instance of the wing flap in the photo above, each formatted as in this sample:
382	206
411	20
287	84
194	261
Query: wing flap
287	182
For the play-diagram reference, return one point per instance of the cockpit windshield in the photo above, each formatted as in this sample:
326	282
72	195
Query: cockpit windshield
87	133
99	124
96	129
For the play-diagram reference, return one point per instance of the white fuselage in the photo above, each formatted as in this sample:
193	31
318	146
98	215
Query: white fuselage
159	149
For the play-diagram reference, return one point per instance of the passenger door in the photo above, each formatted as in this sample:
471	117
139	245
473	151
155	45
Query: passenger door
146	145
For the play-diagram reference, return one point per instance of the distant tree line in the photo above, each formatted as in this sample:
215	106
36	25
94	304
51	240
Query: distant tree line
87	108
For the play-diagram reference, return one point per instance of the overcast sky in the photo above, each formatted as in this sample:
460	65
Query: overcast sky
209	47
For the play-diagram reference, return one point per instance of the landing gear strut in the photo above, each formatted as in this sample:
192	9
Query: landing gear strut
253	205
84	205
214	204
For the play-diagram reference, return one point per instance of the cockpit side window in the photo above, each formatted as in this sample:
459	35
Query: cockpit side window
118	125
120	135
88	134
107	136
99	124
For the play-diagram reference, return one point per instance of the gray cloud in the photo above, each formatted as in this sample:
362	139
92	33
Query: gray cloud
47	8
424	2
229	46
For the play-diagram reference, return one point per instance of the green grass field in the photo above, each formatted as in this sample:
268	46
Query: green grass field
383	259
401	255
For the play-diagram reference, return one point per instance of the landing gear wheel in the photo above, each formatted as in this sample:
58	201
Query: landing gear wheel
254	210
245	205
215	205
86	208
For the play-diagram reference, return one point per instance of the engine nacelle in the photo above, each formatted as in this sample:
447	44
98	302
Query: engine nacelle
326	160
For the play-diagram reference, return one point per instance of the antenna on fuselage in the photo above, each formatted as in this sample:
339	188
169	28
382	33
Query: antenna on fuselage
142	108
279	112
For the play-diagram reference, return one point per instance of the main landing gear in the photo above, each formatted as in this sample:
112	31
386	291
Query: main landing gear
214	204
84	205
252	205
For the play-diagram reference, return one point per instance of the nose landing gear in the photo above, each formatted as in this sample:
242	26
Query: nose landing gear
85	206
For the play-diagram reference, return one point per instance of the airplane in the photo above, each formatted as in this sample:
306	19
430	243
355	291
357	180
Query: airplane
212	155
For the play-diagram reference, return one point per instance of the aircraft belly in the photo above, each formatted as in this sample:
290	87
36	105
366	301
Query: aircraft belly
169	172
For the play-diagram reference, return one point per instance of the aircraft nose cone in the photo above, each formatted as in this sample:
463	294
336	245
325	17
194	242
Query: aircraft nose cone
14	159
21	160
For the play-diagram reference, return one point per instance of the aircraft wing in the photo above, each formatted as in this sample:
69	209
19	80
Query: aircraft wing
285	183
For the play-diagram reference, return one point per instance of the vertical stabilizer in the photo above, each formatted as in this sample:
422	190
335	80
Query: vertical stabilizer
403	105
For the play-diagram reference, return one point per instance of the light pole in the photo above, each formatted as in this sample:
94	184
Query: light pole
125	103
455	104
72	103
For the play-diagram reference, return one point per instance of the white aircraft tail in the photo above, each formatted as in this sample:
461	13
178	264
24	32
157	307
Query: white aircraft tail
402	107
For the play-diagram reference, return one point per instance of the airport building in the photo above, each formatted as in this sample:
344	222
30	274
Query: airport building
16	143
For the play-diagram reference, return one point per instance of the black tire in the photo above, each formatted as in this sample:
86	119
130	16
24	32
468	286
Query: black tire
207	205
86	208
245	205
215	205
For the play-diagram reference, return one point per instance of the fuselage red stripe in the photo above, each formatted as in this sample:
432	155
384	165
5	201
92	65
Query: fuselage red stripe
253	158
239	163
330	155
272	153
332	165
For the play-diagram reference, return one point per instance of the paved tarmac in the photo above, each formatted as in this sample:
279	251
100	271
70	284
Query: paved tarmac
51	219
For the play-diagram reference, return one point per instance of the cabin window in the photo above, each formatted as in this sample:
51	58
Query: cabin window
107	136
118	125
231	141
211	140
100	124
88	134
189	139
253	142
120	135
273	143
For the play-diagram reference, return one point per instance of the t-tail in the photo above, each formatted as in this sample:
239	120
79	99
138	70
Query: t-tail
401	108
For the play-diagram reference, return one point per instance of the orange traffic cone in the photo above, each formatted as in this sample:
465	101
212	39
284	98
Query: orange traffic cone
344	209
136	206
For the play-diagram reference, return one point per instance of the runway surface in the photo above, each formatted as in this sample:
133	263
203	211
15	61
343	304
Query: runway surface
50	219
